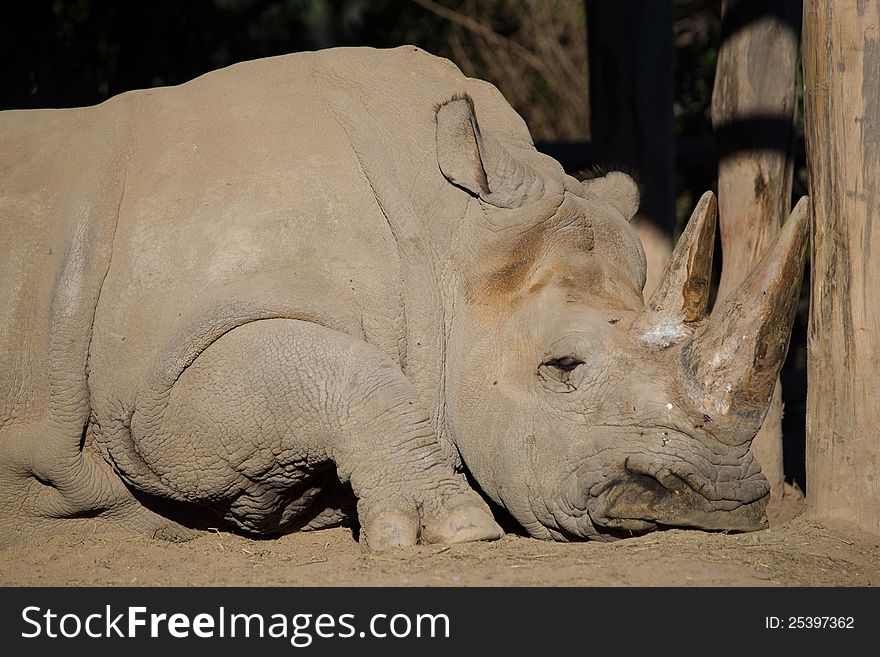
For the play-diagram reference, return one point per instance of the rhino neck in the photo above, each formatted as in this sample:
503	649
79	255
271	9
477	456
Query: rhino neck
423	323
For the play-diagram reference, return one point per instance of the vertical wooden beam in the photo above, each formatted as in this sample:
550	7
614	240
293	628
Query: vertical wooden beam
753	114
842	103
631	103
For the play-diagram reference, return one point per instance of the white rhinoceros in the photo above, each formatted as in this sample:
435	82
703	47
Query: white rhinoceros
294	282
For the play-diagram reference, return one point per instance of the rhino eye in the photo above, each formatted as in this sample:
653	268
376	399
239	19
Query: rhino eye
561	374
565	364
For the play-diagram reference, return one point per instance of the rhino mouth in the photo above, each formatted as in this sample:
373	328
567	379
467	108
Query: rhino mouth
644	497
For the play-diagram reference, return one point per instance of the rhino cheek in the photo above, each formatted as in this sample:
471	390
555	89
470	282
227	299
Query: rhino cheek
504	444
565	464
576	498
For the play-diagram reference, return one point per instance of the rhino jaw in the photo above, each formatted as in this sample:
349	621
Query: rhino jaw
643	497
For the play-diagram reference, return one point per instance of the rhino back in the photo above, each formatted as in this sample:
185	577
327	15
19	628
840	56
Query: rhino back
260	177
260	180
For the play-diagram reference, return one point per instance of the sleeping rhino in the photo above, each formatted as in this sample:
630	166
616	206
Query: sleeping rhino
343	286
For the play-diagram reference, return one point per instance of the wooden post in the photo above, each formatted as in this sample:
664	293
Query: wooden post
842	104
631	104
753	114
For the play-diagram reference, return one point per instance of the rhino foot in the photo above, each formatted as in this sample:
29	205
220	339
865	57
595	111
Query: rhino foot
389	529
462	524
458	520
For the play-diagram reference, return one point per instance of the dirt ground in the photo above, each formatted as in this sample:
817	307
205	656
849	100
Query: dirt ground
795	551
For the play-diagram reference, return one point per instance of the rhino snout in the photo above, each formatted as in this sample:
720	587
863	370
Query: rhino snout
647	495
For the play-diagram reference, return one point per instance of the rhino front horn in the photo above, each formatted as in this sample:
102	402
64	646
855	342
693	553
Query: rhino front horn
682	295
731	366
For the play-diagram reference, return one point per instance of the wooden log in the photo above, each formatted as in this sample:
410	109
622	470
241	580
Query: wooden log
753	114
842	104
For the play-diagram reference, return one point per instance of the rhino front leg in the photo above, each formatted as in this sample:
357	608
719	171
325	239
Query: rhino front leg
251	425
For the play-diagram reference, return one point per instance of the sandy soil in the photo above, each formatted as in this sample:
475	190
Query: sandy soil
795	551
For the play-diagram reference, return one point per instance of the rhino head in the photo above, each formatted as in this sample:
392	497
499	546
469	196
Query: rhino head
580	408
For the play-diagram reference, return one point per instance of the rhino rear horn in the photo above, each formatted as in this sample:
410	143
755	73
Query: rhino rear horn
731	366
682	295
477	162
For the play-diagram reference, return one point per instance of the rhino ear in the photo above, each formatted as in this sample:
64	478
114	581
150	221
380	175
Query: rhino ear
478	163
618	189
459	146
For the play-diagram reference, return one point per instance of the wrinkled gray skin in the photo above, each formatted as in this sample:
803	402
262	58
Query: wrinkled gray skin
250	296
